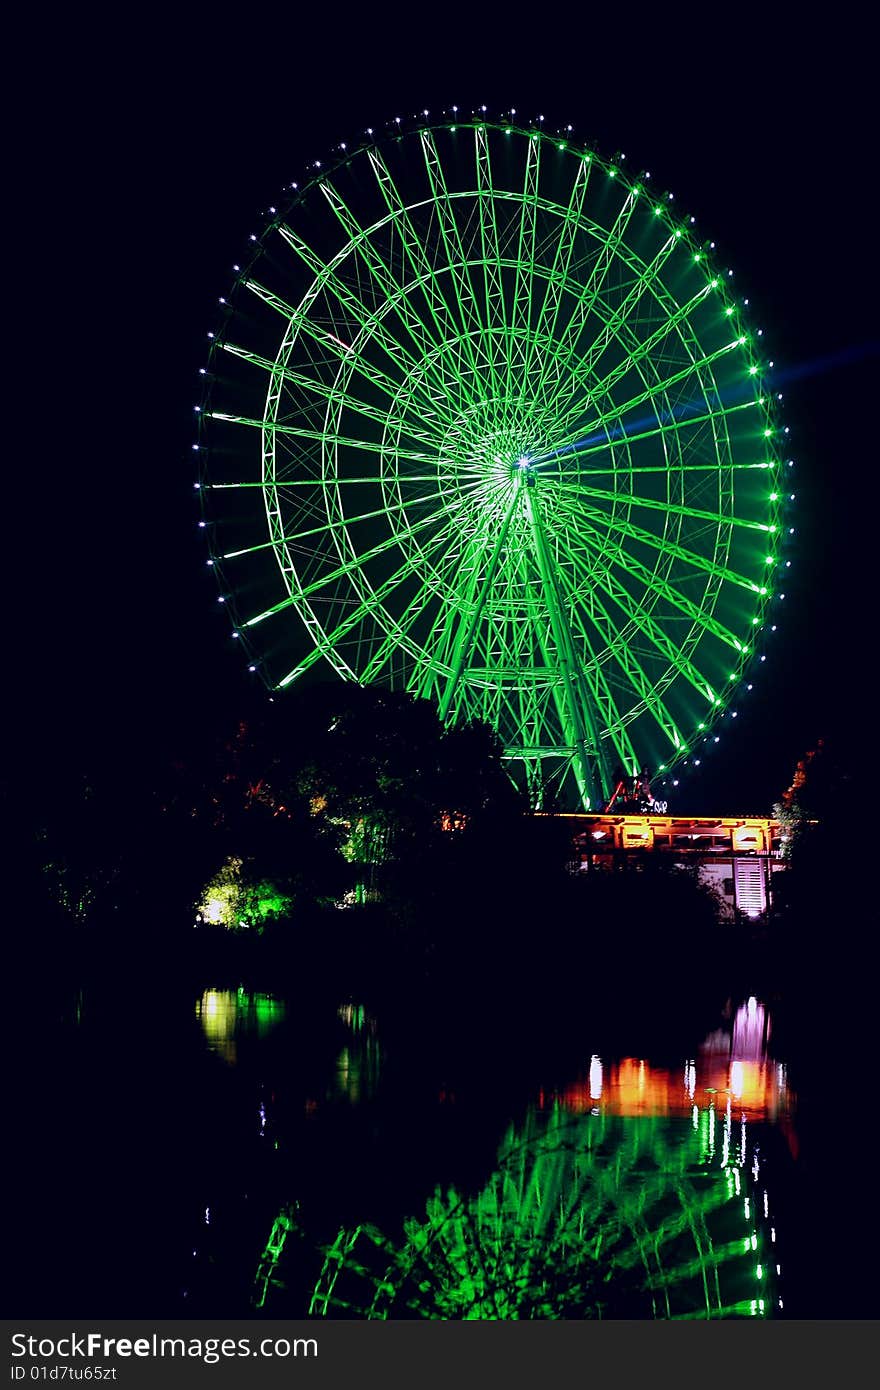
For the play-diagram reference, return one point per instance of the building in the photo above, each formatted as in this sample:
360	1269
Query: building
739	856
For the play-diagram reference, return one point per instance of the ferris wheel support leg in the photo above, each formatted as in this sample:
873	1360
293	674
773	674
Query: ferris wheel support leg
591	773
468	629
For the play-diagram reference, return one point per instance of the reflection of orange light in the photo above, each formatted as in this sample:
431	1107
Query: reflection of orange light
633	1087
748	1085
637	1088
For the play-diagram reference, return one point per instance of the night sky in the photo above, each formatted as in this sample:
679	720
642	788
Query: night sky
146	159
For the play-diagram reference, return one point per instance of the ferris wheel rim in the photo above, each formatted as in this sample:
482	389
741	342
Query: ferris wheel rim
586	505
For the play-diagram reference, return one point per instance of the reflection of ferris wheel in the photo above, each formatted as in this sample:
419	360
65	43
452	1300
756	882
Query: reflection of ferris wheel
584	1217
484	423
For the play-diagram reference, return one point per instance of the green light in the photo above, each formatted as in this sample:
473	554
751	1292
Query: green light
755	622
701	726
559	1230
537	600
767	434
233	900
774	497
768	560
753	371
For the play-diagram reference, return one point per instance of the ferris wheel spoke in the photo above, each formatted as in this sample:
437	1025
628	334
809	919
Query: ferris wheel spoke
426	595
472	497
283	485
632	669
506	652
576	369
459	597
349	568
635	353
632	499
427	342
327	527
672	651
370	323
629	529
583	533
656	583
520	337
330	438
334	394
396	539
470	617
329	641
491	259
455	256
426	276
602	697
673	468
555	367
554	379
646	279
578	716
585	448
679	552
617	412
622	652
454	519
371	327
558	275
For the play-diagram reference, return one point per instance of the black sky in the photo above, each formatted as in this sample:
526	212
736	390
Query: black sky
145	158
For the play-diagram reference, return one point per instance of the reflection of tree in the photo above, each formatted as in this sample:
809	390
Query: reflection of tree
585	1217
226	1014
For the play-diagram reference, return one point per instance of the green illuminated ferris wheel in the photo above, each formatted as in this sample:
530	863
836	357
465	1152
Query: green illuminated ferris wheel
484	422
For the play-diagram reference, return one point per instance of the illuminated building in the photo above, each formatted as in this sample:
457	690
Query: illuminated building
737	856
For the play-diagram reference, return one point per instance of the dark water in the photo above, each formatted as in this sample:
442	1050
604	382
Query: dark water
163	1128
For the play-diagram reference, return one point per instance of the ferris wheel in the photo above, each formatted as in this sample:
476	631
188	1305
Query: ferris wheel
484	422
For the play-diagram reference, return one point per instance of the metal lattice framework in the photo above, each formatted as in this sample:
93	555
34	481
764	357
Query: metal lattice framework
484	422
584	1217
